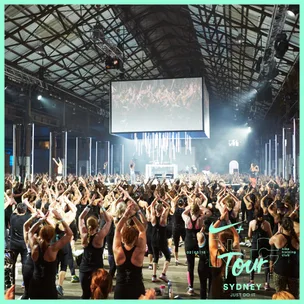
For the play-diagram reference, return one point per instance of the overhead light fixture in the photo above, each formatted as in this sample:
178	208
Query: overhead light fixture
281	45
39	97
112	63
97	32
239	38
293	10
40	50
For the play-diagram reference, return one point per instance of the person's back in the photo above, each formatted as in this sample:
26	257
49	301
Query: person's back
43	283
92	257
129	250
17	221
287	264
128	276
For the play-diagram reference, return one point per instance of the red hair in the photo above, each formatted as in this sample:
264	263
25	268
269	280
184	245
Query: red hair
101	284
129	234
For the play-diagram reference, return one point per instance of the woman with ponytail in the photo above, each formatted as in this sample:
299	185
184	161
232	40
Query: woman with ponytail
92	240
259	233
101	284
44	255
194	218
286	267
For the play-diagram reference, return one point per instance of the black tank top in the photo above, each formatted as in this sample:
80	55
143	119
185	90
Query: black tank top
287	264
91	258
127	273
129	279
43	283
159	235
260	236
178	222
45	271
219	279
190	239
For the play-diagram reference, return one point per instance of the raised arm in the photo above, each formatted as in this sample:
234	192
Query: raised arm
68	232
106	228
120	225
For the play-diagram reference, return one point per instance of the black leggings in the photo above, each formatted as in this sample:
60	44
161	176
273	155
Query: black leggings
254	255
27	273
149	238
71	261
85	281
161	248
177	233
112	264
244	211
190	263
63	257
204	274
18	249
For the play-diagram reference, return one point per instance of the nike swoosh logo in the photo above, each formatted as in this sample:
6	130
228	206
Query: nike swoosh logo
212	229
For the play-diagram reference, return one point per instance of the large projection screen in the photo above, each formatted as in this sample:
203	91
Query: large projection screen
157	105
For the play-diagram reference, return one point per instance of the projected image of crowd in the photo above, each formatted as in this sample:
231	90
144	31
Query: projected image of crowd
165	101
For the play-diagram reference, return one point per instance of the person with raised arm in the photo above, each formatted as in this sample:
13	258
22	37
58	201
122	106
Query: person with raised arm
259	233
220	243
59	168
92	240
129	251
194	218
286	270
159	216
132	172
44	255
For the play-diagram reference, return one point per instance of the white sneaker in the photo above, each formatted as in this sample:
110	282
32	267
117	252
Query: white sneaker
190	291
164	278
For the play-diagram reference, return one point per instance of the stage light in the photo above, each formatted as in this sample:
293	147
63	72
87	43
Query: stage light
281	45
293	10
239	39
40	50
249	129
39	97
112	63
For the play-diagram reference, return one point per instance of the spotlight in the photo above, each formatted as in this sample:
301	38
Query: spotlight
249	129
293	10
254	91
239	39
112	63
39	97
281	45
40	50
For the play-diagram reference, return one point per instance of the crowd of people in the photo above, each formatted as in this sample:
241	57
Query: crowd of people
45	217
